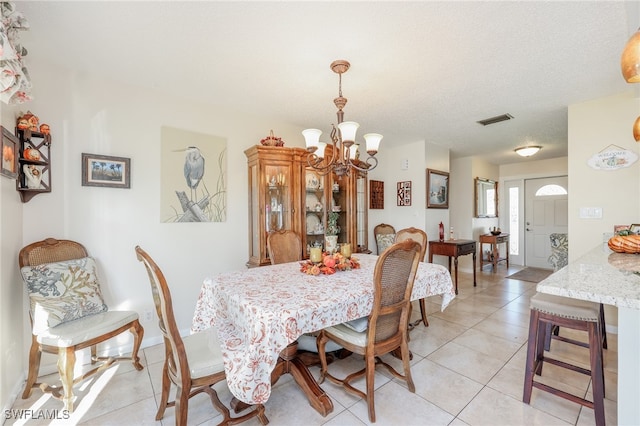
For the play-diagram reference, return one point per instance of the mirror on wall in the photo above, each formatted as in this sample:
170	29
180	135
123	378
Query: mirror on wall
486	194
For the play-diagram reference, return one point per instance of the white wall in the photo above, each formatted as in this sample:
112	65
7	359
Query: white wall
13	331
593	126
92	115
437	158
465	225
390	171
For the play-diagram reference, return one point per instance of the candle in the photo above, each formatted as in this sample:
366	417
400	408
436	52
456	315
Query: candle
315	254
345	249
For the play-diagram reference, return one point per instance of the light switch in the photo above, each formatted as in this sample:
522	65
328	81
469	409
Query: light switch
405	164
590	213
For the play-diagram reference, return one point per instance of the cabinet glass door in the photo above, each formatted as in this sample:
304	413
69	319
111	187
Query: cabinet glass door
339	206
361	213
314	205
277	211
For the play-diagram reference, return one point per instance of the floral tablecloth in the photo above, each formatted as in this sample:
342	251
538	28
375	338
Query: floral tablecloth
259	311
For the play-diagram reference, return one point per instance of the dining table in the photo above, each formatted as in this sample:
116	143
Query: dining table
259	313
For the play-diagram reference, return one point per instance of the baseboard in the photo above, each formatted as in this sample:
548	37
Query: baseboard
16	392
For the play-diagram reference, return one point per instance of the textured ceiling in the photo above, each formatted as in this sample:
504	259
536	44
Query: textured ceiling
419	70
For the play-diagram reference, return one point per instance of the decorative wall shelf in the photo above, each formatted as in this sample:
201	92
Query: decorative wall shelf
34	164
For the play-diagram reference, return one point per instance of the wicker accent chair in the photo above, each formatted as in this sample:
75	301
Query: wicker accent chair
420	236
384	235
393	278
68	337
284	246
192	363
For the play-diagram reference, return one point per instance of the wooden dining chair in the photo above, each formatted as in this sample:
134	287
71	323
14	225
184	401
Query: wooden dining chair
284	246
420	236
192	363
385	235
386	330
67	313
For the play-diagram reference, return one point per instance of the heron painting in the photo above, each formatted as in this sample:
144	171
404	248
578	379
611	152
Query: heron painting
193	177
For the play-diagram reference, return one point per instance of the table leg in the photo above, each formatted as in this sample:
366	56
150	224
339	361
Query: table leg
455	262
507	245
474	268
289	363
495	256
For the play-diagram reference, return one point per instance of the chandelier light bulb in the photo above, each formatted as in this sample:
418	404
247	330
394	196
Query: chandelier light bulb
321	147
311	138
373	142
348	131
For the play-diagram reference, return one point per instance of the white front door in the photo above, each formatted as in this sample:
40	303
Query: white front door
546	212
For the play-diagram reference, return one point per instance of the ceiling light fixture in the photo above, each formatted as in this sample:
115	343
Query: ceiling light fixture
630	61
528	151
344	152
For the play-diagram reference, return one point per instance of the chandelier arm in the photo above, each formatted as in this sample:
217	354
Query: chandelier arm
372	162
315	163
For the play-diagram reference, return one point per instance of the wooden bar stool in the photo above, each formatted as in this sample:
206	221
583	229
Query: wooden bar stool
571	313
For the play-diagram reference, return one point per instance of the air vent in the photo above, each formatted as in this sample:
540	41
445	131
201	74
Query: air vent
497	119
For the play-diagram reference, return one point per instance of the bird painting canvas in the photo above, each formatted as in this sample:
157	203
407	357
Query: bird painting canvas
193	176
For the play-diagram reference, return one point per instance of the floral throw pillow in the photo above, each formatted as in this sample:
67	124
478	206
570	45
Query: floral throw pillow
384	241
62	292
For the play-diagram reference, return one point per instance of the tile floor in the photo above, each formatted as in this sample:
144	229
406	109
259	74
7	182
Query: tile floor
468	368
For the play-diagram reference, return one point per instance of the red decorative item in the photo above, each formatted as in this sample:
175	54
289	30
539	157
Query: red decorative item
28	121
45	129
272	140
31	154
441	231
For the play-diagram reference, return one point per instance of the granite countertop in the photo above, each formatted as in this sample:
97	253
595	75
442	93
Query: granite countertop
601	275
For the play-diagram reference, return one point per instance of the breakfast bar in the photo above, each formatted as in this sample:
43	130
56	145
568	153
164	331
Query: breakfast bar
604	276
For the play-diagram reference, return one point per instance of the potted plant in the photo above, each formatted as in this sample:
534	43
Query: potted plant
331	233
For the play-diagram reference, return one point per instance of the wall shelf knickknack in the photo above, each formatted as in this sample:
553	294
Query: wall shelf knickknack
612	157
34	163
404	193
376	194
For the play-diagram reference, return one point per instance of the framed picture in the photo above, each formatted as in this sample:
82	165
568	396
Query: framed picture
437	189
376	194
634	229
404	193
10	153
106	171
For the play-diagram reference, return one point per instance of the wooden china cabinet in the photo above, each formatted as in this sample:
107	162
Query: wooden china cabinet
285	193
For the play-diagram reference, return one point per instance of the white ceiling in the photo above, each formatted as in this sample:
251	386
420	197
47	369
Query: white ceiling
419	70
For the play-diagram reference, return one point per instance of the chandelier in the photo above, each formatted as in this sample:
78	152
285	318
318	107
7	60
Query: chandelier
344	152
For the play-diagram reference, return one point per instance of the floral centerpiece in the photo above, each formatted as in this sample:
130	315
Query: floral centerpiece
330	264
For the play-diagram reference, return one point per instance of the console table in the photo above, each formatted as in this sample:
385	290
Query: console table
454	248
494	240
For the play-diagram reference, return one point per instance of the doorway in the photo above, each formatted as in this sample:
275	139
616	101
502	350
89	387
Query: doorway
546	212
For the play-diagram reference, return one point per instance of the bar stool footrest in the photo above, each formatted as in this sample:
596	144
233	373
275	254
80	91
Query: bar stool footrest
563	394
